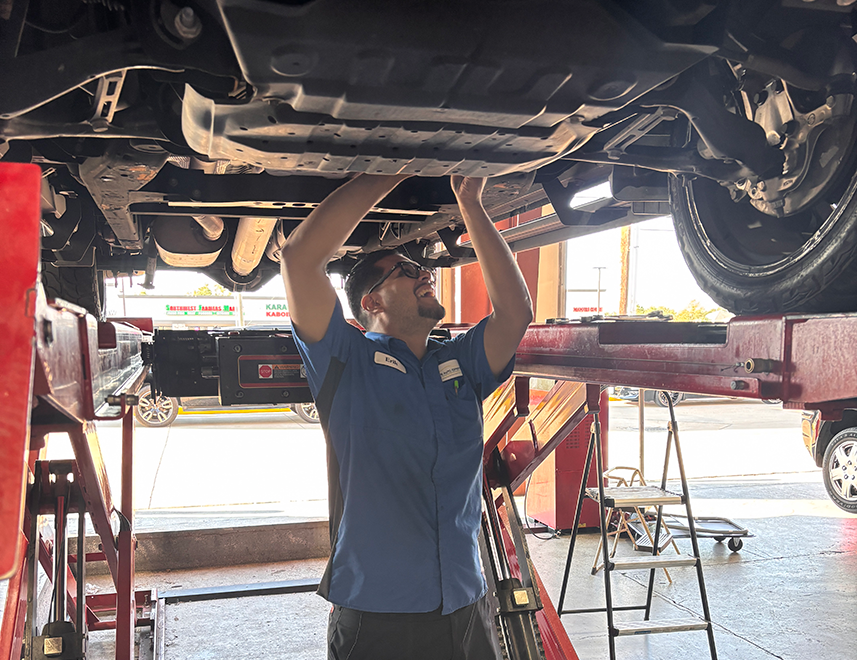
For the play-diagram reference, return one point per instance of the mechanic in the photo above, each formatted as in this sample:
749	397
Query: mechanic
402	415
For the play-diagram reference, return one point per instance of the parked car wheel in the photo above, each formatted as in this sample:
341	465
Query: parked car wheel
155	411
307	412
840	470
662	398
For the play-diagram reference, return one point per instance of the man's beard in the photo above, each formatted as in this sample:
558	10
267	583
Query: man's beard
436	312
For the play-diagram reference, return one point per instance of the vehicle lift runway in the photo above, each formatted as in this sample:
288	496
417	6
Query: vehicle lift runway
65	370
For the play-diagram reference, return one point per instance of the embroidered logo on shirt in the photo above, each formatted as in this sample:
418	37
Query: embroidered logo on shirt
389	361
449	370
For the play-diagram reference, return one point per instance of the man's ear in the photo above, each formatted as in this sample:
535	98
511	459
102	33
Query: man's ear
371	304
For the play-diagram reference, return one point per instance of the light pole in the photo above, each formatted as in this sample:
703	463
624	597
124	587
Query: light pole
598	304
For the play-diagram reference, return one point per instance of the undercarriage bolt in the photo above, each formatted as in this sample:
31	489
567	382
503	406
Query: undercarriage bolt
759	98
187	23
738	385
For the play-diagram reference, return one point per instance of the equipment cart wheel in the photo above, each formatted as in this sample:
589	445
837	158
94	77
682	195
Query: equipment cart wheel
307	412
735	544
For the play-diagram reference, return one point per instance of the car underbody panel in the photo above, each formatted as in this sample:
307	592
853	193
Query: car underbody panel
409	87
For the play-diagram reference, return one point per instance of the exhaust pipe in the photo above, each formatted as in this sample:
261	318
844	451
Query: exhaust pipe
250	241
212	226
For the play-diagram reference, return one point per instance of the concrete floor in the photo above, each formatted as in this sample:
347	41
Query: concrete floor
790	593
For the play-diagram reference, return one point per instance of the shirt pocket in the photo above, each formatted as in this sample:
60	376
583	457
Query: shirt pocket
465	413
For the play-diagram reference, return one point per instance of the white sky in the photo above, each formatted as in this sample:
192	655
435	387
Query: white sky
662	277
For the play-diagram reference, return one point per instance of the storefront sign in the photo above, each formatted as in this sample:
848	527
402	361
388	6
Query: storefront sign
200	309
276	310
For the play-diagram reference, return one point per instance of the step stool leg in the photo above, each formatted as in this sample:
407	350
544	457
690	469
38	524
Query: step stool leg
692	529
608	594
580	496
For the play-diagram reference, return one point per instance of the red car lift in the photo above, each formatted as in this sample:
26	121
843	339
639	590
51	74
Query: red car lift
62	364
798	359
64	371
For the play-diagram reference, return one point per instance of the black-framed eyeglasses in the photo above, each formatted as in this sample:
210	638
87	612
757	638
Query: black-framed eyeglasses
408	268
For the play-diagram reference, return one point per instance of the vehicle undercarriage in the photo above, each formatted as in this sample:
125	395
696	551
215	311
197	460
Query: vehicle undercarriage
178	134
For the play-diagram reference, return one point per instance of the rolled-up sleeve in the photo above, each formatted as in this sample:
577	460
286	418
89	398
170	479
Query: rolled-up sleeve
337	342
469	350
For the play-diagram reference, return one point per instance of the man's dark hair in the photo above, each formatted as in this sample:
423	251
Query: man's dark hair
362	276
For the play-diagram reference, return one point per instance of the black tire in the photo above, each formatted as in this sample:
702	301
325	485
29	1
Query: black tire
661	398
307	412
80	285
839	469
754	263
155	412
735	544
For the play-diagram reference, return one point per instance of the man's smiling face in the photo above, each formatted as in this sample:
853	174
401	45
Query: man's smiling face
404	297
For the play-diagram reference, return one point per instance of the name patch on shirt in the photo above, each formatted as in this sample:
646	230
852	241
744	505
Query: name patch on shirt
449	370
389	361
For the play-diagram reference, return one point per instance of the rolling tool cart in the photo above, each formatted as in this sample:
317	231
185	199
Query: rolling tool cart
709	527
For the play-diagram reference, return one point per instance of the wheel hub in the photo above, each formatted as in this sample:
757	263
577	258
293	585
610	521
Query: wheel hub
815	143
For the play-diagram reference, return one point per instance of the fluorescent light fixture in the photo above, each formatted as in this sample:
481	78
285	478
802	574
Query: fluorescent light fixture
593	194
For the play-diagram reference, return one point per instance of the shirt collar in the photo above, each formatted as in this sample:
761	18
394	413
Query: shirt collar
382	339
393	343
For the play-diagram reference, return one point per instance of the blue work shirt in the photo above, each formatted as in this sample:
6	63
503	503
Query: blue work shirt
405	466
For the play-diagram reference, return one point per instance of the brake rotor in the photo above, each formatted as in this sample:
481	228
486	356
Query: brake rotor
816	143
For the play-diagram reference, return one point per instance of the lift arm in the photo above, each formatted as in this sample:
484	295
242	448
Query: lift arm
805	361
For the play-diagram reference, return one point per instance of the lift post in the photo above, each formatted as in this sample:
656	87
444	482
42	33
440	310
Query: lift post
65	371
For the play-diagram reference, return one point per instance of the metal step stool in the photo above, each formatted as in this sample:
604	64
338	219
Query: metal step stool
631	498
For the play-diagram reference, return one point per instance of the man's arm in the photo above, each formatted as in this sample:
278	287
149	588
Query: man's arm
507	290
313	243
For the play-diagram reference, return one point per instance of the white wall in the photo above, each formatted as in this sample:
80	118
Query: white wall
172	288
